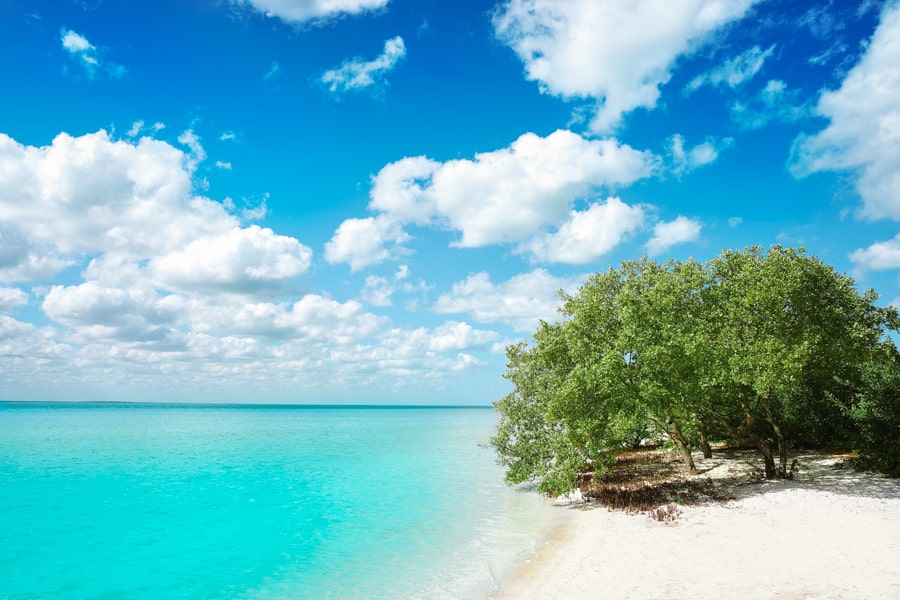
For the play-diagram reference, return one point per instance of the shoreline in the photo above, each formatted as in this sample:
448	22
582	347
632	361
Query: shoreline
829	534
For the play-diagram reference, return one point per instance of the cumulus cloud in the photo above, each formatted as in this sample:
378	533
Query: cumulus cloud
501	197
587	235
863	136
105	196
733	72
21	259
78	46
174	290
11	298
617	53
242	261
29	355
98	312
670	233
879	256
363	242
378	291
313	319
299	11
129	204
519	302
455	335
358	74
86	54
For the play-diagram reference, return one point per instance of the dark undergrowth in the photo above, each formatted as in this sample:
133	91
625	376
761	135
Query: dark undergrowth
651	482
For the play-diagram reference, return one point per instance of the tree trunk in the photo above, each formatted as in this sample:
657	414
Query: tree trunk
779	438
674	432
743	435
678	439
769	459
704	442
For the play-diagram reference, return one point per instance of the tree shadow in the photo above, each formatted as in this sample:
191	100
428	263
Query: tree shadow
653	482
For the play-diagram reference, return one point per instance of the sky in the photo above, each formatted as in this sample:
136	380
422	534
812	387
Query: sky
366	201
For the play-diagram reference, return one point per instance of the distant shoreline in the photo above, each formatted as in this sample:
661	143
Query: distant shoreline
117	403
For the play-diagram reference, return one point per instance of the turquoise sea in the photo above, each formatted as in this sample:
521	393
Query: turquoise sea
124	501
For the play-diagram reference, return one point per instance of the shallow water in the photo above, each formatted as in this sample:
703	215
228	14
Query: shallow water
157	501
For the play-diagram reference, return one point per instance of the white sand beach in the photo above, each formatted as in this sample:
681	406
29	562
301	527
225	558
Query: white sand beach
829	534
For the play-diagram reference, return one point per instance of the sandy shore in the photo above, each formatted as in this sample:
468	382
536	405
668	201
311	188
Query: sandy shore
829	534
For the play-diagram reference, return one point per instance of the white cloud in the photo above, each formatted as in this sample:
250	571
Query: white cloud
298	11
11	298
177	294
409	355
362	242
75	43
519	302
130	206
735	71
378	291
455	335
21	259
221	164
399	189
80	49
684	160
617	53
312	349
500	197
242	261
192	141
138	126
133	199
863	136
358	74
29	355
588	234
98	312
311	319
507	195
135	129
879	256
670	233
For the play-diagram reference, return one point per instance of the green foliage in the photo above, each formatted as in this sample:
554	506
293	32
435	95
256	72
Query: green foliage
877	413
531	442
767	349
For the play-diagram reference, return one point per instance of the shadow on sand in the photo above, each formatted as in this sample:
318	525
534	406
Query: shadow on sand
654	482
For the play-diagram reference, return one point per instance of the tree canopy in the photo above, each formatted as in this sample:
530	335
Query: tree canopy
763	348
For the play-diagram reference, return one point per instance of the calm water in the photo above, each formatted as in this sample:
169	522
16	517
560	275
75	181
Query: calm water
111	501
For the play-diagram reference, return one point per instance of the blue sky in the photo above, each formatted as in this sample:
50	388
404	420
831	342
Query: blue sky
365	201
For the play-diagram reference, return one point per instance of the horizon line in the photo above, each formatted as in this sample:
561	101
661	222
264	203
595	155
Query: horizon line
238	404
